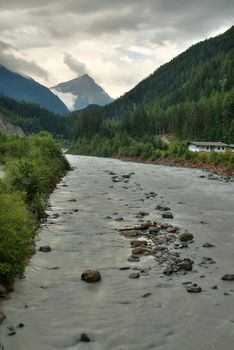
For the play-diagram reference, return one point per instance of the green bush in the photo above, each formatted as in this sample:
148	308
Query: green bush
16	233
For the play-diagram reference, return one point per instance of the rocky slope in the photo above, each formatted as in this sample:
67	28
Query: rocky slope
7	127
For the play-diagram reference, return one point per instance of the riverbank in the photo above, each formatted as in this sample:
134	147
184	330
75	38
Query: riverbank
32	167
175	162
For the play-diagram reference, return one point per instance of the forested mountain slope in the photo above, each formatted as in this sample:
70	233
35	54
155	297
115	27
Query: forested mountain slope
33	119
23	88
191	97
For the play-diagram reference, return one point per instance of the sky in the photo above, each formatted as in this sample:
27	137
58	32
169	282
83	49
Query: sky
117	42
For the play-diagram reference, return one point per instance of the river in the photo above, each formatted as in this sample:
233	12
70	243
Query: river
56	306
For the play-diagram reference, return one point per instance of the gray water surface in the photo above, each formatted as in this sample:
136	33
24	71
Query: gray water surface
56	306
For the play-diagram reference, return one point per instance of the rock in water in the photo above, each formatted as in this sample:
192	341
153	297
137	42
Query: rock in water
194	288
2	317
134	275
3	291
84	338
91	276
138	243
45	249
228	277
186	236
208	245
167	215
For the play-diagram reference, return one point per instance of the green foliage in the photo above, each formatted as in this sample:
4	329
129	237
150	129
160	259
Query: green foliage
33	119
16	233
33	166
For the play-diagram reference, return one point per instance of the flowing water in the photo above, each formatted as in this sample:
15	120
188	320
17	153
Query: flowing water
56	306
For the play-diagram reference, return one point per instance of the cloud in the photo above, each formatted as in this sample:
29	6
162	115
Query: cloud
120	41
13	60
76	66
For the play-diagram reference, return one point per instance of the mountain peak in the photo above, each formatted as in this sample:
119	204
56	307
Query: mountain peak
80	92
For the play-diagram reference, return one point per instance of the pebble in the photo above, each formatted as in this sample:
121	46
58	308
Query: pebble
45	249
228	277
194	288
2	317
84	338
146	295
208	245
167	215
91	276
134	275
186	236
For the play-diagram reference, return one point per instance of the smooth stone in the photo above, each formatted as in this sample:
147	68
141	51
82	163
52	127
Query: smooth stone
45	249
84	338
186	236
119	219
3	291
228	277
140	251
2	317
194	288
208	245
20	325
186	264
167	215
134	275
146	295
91	276
138	243
129	233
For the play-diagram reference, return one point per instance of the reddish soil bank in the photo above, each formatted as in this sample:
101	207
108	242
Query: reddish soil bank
184	164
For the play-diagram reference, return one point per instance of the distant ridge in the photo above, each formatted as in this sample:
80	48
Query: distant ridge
26	89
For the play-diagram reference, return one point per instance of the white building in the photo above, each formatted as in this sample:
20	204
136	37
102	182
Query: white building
208	146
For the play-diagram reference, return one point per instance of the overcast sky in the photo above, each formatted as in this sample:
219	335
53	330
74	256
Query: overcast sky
117	42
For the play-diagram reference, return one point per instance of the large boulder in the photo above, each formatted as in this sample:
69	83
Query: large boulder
91	276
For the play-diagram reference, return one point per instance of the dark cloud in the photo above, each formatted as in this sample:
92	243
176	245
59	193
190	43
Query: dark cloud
118	32
75	65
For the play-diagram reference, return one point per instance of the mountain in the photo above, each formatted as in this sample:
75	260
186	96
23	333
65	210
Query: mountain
200	71
191	97
81	92
6	127
22	88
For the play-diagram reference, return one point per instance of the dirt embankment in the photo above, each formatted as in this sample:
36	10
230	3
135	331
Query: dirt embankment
229	173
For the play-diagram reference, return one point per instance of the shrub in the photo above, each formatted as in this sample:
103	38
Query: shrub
16	233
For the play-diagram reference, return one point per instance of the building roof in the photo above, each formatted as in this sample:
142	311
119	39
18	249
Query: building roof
209	144
231	145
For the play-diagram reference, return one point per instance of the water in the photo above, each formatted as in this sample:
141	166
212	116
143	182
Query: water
56	306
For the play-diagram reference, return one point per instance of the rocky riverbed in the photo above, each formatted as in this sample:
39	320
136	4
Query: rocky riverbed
162	239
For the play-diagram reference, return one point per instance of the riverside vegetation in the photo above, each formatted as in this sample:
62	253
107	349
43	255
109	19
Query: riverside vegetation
32	165
97	137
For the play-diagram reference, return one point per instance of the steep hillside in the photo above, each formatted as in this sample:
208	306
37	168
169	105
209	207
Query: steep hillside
33	119
202	70
26	89
6	127
81	92
191	97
